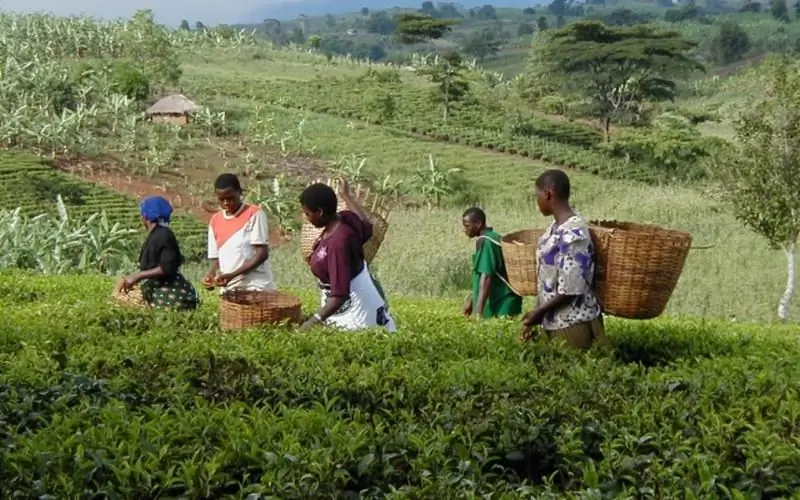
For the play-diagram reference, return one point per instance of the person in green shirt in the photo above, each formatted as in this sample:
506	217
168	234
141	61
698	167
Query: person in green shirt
491	297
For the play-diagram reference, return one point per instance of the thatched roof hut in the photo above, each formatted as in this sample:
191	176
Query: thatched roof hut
174	108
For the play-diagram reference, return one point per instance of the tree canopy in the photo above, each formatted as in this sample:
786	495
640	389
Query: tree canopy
412	27
762	176
618	68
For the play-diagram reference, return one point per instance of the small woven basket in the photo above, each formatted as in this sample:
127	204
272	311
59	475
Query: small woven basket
133	298
519	254
240	309
377	213
641	267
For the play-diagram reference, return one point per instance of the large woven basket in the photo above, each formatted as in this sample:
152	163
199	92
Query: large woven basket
377	213
133	298
642	265
240	309
519	255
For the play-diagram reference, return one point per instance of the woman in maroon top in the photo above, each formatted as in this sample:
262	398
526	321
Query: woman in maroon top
350	298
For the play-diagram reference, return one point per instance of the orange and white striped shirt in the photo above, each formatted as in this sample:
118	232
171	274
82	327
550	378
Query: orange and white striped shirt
232	240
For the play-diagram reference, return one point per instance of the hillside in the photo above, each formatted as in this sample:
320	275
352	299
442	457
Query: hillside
98	399
291	9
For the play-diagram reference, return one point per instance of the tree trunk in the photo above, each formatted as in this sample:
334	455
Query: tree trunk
607	129
791	279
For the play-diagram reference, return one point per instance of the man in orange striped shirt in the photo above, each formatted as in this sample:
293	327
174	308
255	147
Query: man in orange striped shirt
238	242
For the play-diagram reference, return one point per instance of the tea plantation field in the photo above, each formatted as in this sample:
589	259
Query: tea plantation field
32	185
122	404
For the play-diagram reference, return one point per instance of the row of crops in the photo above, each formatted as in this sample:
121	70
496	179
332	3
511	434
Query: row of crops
145	405
409	109
33	186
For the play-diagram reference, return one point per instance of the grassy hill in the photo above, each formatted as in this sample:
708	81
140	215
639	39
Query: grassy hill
139	404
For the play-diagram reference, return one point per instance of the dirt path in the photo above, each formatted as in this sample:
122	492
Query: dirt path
110	176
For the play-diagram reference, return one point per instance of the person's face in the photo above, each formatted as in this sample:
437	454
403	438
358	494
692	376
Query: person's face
229	199
315	218
472	228
544	200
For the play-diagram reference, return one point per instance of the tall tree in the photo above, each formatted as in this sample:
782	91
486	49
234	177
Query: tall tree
451	85
762	177
482	44
730	44
412	27
618	69
780	10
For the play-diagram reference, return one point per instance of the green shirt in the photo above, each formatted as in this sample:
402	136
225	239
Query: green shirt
488	259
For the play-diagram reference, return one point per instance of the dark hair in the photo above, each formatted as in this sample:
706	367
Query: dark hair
556	180
319	197
475	214
227	181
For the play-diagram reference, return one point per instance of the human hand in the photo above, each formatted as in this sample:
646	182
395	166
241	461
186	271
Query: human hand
127	283
309	323
533	318
527	333
344	186
208	281
224	279
467	309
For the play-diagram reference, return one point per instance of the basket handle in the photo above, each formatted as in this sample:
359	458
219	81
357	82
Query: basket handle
501	278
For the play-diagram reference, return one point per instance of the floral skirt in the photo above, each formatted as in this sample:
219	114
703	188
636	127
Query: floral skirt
176	293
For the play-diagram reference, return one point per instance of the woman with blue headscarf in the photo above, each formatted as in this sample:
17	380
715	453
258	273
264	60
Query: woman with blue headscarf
161	283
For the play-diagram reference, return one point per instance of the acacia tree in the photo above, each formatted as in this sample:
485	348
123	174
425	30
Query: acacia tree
618	69
412	27
762	177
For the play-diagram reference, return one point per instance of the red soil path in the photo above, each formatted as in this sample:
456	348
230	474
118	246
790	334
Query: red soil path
109	176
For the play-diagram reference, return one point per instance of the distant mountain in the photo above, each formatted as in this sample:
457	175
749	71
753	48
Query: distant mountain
291	9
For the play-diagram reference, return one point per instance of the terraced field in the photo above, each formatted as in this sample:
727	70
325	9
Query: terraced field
33	185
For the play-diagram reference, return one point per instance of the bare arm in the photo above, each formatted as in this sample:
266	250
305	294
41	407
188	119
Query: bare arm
483	293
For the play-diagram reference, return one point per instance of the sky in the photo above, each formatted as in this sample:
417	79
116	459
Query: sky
166	11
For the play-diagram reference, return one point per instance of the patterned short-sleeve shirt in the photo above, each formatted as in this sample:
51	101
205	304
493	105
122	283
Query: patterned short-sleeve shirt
566	267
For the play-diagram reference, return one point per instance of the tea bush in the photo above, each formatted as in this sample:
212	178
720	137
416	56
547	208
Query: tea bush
125	404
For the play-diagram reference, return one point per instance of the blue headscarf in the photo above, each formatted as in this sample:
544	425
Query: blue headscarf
156	209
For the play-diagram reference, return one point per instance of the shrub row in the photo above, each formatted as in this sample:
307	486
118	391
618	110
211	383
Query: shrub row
132	405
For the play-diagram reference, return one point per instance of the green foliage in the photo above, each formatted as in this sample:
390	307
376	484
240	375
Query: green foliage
780	10
314	41
447	73
143	404
482	44
412	27
32	187
730	44
618	69
131	82
678	153
762	177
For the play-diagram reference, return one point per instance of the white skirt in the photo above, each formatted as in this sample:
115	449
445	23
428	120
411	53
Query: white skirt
365	308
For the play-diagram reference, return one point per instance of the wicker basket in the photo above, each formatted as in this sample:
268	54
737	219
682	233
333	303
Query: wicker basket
642	265
378	214
133	298
243	309
519	255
